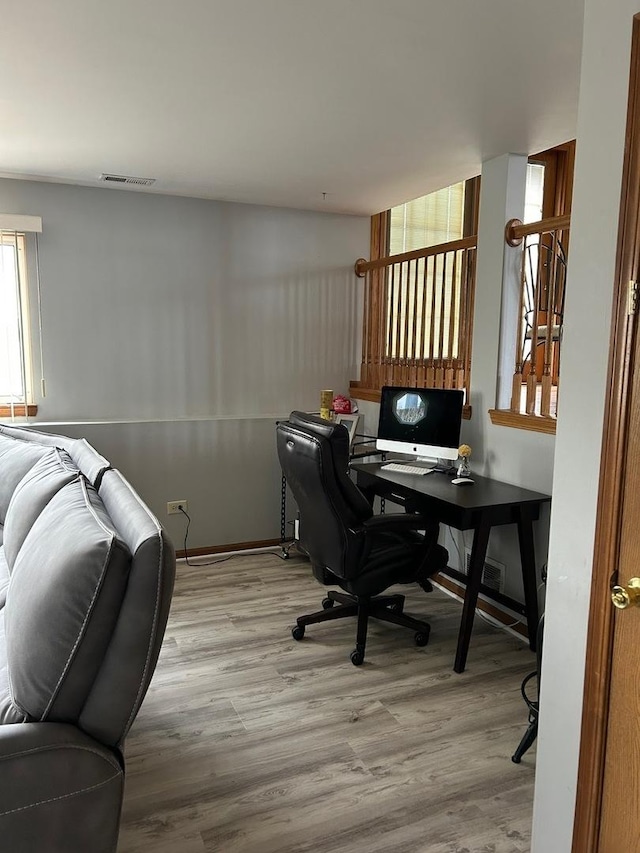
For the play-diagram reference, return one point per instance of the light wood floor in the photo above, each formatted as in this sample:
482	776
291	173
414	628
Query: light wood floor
251	742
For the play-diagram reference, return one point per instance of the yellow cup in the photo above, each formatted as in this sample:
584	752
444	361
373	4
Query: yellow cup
326	400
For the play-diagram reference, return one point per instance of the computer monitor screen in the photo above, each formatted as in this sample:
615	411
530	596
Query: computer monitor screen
423	422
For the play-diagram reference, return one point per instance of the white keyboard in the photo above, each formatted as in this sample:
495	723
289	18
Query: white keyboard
402	468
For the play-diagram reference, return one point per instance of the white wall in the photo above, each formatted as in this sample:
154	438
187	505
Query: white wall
591	269
175	332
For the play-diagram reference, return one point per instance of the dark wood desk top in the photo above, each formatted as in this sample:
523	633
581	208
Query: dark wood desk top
464	501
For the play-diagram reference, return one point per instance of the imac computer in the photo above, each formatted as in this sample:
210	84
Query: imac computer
422	422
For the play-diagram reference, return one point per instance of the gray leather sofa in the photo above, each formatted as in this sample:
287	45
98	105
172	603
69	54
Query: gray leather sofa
86	577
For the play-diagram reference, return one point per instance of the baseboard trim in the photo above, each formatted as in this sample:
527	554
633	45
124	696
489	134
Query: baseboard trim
222	549
508	620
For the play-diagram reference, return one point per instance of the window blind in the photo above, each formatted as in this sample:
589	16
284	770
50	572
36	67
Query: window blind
428	221
18	235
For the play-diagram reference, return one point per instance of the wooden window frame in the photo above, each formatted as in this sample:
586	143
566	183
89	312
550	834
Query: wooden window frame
23	408
556	208
434	376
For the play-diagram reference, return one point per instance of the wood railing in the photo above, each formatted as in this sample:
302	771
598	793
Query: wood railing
543	268
418	317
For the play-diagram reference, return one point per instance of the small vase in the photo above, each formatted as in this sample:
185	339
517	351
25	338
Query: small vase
464	469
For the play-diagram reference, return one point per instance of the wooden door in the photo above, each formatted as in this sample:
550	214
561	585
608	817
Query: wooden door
620	818
607	816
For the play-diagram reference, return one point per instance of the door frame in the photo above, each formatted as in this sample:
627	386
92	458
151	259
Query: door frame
598	662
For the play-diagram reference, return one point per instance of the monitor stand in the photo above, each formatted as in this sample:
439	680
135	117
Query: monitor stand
426	461
442	466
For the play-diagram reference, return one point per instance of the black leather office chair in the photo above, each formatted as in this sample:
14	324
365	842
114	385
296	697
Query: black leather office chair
347	544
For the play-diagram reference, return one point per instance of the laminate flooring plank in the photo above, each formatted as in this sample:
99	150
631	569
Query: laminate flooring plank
251	742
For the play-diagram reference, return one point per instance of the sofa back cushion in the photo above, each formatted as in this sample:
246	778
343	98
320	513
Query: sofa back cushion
16	458
4	578
50	473
64	597
86	458
37	437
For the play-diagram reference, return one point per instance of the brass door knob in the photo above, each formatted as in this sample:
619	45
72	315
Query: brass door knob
626	596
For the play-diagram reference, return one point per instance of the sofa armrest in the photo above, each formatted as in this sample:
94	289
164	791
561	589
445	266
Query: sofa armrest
60	790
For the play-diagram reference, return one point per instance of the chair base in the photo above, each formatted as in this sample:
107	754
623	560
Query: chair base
386	608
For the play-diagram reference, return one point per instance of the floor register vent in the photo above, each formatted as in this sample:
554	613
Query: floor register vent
127	179
492	574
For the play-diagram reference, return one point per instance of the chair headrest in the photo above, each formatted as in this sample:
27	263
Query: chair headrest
317	425
336	436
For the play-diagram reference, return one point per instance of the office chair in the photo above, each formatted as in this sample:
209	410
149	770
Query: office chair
346	543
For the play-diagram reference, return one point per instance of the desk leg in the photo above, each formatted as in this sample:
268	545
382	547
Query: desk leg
528	562
369	492
474	579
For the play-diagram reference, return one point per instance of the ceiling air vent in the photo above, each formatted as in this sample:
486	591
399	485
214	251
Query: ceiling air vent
127	179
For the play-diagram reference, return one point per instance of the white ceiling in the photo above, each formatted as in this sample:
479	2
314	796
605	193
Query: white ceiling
372	102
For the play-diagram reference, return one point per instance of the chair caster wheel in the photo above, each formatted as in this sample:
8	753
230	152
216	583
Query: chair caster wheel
327	603
421	638
298	632
395	608
357	657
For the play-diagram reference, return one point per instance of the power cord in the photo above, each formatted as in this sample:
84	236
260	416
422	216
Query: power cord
456	546
222	559
497	622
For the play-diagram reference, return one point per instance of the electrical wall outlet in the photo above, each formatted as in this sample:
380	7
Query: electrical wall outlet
176	507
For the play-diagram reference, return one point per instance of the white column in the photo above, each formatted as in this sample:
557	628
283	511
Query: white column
492	361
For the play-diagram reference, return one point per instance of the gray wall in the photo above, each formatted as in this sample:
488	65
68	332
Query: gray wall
176	331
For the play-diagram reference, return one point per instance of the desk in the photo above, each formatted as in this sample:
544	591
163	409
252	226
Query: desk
478	507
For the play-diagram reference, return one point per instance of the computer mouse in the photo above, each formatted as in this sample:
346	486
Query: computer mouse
460	481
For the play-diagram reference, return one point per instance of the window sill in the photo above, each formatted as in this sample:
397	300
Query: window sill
18	411
535	423
372	395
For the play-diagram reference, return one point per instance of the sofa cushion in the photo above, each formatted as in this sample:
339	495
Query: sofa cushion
4	577
31	495
9	713
84	456
37	437
64	596
16	458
